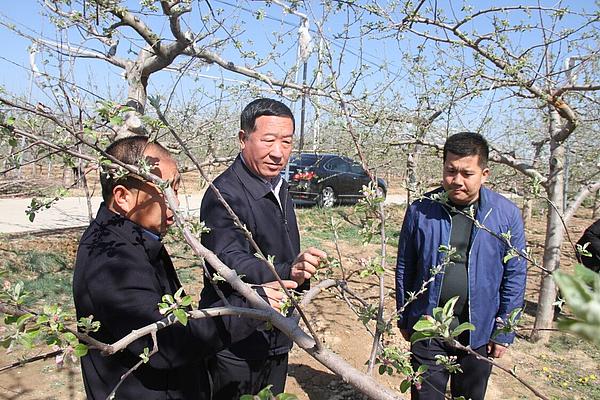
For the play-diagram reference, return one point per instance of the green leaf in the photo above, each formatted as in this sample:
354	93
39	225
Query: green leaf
584	301
405	385
422	325
23	318
186	301
6	342
69	337
417	336
178	294
381	369
286	396
462	327
145	356
116	120
509	255
422	369
181	316
587	275
80	350
449	306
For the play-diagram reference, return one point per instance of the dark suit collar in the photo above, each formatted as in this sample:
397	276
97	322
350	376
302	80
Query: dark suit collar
125	228
256	186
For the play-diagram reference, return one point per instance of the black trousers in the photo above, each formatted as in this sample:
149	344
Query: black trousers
470	383
233	377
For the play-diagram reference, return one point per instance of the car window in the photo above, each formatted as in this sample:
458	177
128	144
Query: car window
357	169
338	165
304	160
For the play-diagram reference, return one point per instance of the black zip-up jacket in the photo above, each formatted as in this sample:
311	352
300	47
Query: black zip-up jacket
274	229
120	275
591	236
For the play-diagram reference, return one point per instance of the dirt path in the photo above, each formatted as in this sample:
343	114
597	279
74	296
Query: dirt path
68	212
72	212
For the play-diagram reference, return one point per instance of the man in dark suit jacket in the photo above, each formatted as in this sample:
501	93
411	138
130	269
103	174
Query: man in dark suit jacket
258	195
121	273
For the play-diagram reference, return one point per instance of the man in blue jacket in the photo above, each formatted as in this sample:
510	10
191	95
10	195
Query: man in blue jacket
489	285
254	189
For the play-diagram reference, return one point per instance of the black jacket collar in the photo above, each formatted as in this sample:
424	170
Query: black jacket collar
127	229
257	187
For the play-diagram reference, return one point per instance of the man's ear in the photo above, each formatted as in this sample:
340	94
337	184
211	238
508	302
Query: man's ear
123	199
242	136
485	174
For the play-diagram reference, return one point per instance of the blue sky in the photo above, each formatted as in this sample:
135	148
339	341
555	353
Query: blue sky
26	16
106	80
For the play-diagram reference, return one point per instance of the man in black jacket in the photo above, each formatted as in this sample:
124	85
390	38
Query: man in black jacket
258	195
121	273
591	237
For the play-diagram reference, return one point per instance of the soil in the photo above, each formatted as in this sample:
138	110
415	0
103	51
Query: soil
339	330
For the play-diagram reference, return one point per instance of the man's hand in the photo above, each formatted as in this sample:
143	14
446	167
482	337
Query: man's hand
496	350
405	334
306	264
275	294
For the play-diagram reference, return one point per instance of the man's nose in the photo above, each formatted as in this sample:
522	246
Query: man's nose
457	180
276	150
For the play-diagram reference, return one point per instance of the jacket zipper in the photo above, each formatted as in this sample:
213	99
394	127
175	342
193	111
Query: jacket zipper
285	221
468	268
444	272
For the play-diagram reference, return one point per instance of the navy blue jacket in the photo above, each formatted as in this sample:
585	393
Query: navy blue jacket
274	229
120	275
495	287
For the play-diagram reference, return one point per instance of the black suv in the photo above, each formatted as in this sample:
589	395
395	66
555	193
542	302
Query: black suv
327	179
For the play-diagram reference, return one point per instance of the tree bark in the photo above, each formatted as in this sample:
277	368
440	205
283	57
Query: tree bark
526	211
554	234
411	175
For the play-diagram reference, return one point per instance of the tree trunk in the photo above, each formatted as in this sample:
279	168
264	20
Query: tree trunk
554	236
596	206
527	208
136	97
411	174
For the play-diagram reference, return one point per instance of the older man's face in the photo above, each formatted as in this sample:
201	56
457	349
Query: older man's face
463	177
267	150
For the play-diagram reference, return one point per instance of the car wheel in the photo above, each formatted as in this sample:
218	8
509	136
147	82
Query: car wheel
326	197
380	192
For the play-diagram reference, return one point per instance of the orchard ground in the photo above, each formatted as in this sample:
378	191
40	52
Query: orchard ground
566	368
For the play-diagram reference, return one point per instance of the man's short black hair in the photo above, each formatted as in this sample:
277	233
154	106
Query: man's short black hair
129	150
260	107
468	144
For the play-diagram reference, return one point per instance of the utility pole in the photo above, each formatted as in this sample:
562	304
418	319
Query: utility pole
304	50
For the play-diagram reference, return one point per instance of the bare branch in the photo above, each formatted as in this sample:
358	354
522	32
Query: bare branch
579	198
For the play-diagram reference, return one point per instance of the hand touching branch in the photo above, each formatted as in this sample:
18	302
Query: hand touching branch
306	264
274	293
